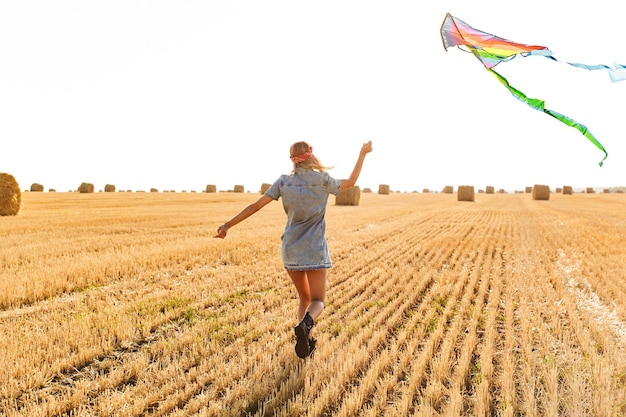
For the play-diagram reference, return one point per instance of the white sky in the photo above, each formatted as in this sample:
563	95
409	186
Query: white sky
179	94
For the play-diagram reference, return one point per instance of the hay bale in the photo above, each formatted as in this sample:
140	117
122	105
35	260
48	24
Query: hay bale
489	189
559	190
541	192
567	190
52	190
36	187
501	191
264	187
465	193
590	190
425	191
10	195
238	189
154	190
528	190
383	189
210	188
348	197
109	188
448	189
606	191
85	187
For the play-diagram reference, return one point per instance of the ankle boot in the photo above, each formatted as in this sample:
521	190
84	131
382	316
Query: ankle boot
302	335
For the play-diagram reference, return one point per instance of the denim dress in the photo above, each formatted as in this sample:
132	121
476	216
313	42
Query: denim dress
305	196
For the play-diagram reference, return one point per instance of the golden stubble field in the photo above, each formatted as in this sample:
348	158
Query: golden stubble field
123	304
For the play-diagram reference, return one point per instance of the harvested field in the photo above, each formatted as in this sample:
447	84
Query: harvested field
118	304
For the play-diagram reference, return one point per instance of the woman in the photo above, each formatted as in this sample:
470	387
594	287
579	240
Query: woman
305	253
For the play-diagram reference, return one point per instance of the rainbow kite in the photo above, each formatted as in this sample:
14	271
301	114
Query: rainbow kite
491	50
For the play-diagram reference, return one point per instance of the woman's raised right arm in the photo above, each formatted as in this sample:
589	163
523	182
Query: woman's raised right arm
354	176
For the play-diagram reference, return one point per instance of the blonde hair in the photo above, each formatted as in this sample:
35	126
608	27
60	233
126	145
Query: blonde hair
312	162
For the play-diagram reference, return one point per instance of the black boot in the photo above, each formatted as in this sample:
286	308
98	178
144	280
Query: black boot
302	336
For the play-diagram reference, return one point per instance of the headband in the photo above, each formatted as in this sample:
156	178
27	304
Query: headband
303	157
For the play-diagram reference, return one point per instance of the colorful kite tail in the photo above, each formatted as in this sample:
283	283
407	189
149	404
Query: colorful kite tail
539	105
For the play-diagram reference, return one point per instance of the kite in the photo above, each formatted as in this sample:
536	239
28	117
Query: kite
492	50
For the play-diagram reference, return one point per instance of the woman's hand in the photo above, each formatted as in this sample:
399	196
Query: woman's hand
221	231
366	148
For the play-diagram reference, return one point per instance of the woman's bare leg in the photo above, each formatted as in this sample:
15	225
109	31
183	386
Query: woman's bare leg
311	287
317	291
301	283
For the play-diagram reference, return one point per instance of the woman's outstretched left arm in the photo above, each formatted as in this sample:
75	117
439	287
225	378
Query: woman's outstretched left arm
244	214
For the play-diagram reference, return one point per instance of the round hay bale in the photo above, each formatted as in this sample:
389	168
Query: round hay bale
590	190
210	188
239	189
490	189
36	187
348	197
567	190
52	190
559	190
425	191
10	195
109	188
528	190
383	189
465	193
264	187
154	190
448	189
541	192
367	190
85	187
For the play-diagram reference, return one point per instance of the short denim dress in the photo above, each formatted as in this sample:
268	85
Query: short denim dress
305	196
